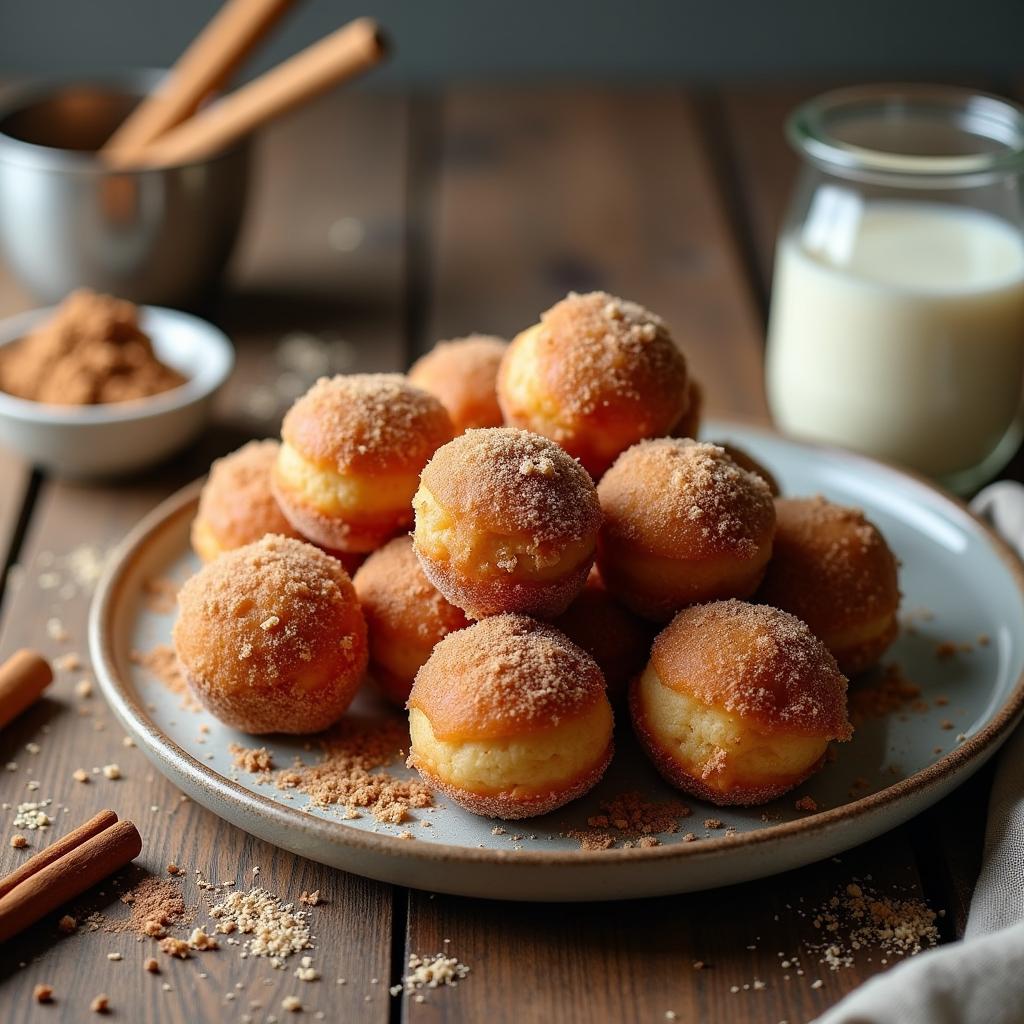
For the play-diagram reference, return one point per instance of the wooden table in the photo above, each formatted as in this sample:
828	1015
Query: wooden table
392	221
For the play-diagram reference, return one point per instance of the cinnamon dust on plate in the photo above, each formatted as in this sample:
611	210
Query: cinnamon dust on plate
631	819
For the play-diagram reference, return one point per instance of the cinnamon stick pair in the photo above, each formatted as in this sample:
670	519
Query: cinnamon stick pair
66	869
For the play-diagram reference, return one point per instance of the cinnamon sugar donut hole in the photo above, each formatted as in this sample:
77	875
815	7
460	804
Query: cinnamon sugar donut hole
353	447
689	424
463	375
738	703
597	374
509	718
832	568
271	637
618	640
506	521
682	524
235	504
405	615
746	461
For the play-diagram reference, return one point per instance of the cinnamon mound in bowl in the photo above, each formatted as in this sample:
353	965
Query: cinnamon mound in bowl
91	351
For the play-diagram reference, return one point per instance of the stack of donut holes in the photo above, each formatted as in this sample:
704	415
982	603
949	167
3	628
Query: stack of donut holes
535	536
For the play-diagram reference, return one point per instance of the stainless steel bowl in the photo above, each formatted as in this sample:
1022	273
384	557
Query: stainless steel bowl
66	221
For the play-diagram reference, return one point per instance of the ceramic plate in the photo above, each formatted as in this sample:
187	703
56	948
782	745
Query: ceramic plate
960	586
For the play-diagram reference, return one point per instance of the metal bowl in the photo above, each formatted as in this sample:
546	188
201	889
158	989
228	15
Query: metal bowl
158	236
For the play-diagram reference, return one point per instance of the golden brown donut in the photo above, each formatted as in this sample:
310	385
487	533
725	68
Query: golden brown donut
738	703
597	374
405	615
506	521
609	632
352	453
746	461
682	524
463	375
689	423
235	504
510	719
271	637
832	568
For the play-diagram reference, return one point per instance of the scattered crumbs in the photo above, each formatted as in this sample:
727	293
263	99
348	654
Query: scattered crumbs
152	965
33	748
18	841
173	869
201	941
43	993
311	899
69	662
632	818
699	965
817	983
430	972
891	692
80	775
306	971
276	929
55	630
947	649
806	803
101	1004
175	947
712	823
292	1004
498	831
251	759
32	815
127	741
83	688
114	956
67	924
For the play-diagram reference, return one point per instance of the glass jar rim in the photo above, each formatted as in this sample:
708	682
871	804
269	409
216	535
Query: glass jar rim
1001	121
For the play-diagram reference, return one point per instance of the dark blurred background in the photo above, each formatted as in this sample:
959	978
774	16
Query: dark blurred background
643	40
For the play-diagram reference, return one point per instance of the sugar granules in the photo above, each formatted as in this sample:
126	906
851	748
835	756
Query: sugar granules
858	917
348	774
430	972
251	759
277	930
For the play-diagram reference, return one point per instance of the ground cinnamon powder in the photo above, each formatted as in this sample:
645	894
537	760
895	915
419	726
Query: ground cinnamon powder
349	775
155	904
90	352
632	818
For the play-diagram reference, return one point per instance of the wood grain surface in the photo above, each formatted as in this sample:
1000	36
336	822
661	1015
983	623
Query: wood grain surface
378	225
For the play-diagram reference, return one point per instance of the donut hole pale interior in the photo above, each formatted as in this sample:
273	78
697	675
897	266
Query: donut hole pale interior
516	766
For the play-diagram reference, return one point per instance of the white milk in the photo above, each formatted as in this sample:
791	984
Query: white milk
898	329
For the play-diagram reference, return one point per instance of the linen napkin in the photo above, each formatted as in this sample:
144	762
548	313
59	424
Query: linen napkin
979	980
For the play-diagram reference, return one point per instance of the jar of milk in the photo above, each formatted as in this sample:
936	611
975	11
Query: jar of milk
897	311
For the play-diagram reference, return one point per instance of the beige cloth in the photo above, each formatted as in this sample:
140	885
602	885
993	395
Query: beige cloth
979	980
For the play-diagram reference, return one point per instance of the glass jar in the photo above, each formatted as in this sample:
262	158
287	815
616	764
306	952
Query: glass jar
897	312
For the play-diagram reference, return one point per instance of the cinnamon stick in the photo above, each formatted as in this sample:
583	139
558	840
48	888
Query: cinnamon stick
342	55
54	851
204	67
23	677
68	876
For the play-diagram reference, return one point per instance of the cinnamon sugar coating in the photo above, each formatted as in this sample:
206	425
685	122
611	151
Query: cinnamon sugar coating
832	568
757	663
463	374
506	521
746	461
236	506
682	524
597	374
405	614
503	677
367	422
271	637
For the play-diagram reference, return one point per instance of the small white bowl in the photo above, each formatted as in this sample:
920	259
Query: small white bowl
115	438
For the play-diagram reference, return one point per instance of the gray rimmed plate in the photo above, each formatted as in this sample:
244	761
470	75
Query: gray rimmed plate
961	586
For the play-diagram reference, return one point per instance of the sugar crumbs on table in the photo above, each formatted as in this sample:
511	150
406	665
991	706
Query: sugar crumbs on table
18	841
430	972
111	771
83	688
349	775
858	917
306	971
251	759
311	899
152	965
101	1004
175	947
277	930
201	941
32	816
80	775
43	993
67	924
